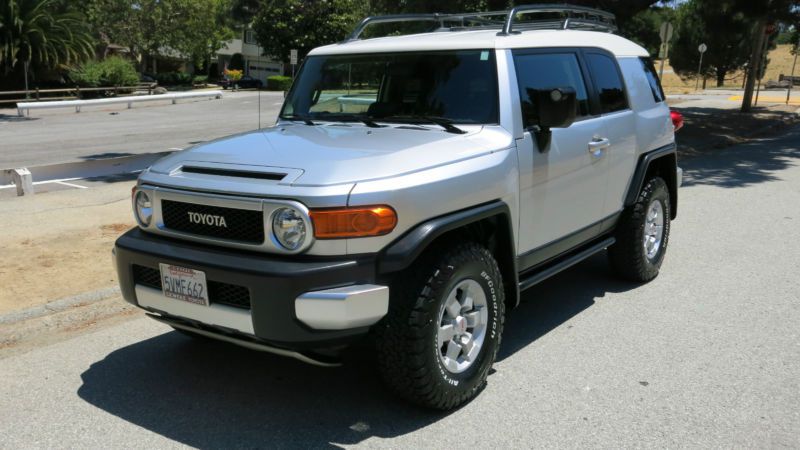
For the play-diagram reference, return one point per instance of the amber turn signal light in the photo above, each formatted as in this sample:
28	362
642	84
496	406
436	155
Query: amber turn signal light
353	222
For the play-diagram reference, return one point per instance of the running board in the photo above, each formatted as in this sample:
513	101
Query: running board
246	344
541	275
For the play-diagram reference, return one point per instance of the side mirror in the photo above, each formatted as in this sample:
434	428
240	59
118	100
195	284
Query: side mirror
549	108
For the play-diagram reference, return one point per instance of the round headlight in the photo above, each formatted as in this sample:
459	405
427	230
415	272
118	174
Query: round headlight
144	208
289	228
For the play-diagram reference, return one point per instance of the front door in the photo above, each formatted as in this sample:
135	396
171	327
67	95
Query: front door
563	186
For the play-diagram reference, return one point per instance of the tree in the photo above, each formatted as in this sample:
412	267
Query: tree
643	28
282	25
764	13
38	34
701	22
152	28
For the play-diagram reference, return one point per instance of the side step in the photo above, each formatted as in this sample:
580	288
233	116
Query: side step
540	275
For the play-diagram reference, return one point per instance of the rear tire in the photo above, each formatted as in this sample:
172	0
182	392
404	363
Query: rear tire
450	302
643	234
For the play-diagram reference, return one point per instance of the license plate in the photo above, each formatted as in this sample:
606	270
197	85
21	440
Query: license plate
184	284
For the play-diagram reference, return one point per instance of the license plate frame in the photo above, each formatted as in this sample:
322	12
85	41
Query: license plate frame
184	284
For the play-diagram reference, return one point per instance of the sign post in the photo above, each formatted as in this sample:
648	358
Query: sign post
791	78
293	58
663	52
702	49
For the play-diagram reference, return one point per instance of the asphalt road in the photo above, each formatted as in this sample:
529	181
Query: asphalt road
61	135
706	356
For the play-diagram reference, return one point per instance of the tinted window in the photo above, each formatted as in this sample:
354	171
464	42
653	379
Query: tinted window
547	71
609	84
460	86
652	78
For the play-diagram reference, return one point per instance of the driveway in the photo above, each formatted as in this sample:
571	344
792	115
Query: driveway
707	355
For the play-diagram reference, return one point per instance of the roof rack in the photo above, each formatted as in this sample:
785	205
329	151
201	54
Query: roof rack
560	17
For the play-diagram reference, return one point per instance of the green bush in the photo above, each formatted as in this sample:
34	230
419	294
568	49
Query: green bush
200	79
113	71
174	78
279	83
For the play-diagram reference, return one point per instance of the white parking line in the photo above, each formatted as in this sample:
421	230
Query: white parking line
9	186
70	184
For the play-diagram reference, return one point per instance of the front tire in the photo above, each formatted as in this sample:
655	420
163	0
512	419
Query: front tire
441	336
643	234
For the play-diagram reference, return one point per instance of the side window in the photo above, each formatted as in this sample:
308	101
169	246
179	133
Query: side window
652	78
546	71
609	84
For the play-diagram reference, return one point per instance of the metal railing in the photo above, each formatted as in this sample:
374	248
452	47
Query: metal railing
40	95
77	104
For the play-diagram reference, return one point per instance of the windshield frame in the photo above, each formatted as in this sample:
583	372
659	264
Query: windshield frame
304	67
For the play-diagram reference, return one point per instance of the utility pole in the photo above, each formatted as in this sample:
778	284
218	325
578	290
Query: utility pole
754	64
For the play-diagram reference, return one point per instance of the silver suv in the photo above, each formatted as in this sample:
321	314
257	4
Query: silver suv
412	186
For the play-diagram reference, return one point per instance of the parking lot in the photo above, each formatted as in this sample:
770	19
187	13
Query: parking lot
706	356
61	135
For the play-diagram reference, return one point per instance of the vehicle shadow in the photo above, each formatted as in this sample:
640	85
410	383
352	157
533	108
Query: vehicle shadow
16	118
210	394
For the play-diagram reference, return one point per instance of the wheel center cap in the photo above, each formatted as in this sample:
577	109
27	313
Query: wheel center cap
461	324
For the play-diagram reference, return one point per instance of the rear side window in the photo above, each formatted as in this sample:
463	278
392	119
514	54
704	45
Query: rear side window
547	71
652	79
609	84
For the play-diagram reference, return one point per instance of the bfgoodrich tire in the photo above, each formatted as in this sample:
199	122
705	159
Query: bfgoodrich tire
643	234
440	338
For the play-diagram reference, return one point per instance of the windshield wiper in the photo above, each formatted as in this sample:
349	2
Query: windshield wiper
304	119
366	120
443	122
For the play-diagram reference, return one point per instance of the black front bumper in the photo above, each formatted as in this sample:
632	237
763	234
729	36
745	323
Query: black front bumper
273	282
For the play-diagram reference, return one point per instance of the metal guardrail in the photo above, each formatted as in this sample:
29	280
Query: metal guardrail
77	104
73	92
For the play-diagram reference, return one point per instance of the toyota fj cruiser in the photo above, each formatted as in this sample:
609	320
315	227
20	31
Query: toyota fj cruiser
412	186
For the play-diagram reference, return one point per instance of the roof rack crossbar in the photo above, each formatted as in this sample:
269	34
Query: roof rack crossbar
478	17
574	17
601	19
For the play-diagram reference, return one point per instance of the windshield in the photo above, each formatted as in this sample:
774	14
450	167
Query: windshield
455	86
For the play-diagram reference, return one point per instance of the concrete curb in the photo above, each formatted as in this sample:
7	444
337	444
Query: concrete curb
59	305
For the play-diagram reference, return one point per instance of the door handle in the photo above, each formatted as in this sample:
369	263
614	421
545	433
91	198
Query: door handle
597	146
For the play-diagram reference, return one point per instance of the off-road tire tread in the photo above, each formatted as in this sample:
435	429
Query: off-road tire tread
626	256
401	338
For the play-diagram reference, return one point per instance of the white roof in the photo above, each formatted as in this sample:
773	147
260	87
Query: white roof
485	39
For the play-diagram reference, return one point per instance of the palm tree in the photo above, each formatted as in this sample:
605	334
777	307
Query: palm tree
41	34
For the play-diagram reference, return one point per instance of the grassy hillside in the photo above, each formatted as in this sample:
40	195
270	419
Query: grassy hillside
780	62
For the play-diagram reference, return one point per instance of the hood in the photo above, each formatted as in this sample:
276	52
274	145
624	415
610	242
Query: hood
330	154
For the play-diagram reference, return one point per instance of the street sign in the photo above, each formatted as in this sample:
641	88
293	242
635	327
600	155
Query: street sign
666	32
702	49
293	56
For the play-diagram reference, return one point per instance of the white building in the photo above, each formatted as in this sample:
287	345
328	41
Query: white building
255	65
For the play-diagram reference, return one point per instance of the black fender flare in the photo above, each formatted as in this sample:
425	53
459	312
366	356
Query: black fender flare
643	165
402	252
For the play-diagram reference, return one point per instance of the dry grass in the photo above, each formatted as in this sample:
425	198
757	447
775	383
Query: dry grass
780	62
